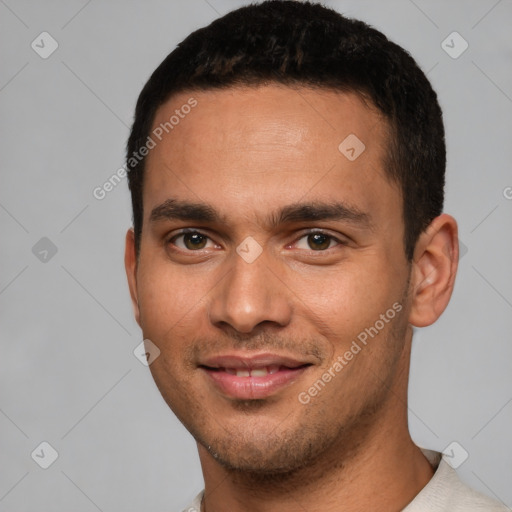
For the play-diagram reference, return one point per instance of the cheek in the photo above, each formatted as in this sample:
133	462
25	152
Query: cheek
168	296
356	307
173	314
350	295
170	312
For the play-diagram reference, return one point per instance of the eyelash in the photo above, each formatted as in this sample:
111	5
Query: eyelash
173	238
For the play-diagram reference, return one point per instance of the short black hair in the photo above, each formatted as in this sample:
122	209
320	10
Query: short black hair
307	44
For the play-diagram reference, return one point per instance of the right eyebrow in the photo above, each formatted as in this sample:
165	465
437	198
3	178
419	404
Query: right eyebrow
174	209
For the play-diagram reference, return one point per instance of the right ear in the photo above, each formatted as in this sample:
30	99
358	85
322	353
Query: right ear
130	264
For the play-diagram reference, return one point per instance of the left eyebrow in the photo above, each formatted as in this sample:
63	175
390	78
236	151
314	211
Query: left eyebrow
318	211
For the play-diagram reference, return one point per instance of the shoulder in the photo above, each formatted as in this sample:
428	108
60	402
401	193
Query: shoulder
446	492
195	506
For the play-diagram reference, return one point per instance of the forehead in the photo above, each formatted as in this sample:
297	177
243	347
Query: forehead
247	146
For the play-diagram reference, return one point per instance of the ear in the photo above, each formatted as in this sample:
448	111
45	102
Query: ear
434	267
130	264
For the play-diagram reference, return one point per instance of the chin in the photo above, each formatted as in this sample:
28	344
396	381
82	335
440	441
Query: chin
258	463
282	454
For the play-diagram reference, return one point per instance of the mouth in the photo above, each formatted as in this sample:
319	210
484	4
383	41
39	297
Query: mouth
256	377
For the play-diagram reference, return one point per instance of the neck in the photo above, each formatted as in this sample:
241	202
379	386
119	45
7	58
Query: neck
375	466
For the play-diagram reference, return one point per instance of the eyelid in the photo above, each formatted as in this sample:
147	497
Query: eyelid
183	231
313	231
172	237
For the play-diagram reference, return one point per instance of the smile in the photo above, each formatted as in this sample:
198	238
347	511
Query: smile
257	377
254	372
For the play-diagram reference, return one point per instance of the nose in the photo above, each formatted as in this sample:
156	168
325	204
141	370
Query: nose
250	295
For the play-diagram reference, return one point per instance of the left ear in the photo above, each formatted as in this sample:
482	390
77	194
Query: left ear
436	257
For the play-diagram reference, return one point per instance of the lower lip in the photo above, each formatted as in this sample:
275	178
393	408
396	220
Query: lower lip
247	388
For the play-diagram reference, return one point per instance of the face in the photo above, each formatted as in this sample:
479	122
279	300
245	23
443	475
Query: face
272	275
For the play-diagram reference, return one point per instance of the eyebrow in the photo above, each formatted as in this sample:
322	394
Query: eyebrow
316	210
174	209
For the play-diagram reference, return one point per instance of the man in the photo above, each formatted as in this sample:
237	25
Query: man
286	166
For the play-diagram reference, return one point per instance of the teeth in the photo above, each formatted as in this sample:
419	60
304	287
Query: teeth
256	372
259	372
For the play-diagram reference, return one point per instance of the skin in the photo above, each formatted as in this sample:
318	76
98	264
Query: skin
247	152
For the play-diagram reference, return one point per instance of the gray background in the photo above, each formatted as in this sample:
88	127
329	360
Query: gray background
68	374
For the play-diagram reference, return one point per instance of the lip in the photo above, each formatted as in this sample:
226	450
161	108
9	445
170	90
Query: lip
286	370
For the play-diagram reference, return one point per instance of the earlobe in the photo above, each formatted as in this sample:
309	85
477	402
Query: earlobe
433	271
130	264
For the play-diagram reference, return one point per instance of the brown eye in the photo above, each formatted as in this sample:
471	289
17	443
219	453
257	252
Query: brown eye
191	241
194	241
319	241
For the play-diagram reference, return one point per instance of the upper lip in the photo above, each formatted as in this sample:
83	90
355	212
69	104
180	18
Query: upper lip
238	361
